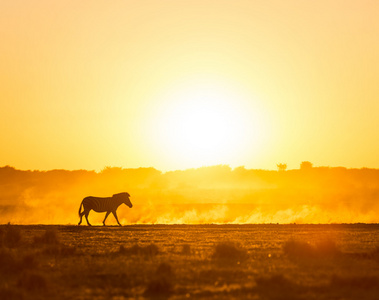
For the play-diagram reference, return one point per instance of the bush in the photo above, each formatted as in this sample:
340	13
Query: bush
60	250
33	282
161	284
10	294
29	262
364	282
149	250
186	249
294	248
8	263
50	237
11	264
164	269
10	236
228	251
299	249
279	287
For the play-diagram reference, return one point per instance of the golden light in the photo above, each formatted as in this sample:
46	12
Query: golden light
207	123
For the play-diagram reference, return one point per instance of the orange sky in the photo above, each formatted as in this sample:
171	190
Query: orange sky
180	84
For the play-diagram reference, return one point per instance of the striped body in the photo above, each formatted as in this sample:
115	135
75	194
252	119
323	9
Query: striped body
99	204
103	204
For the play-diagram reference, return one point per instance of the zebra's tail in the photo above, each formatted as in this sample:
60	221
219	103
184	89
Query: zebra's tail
80	207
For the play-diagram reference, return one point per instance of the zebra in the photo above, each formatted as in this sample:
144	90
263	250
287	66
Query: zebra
103	204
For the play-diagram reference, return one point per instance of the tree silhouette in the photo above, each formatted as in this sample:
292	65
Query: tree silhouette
306	165
281	167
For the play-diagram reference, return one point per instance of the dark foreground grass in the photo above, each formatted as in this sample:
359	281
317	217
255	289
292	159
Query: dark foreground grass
188	262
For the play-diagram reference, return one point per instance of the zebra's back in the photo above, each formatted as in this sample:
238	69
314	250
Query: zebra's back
99	204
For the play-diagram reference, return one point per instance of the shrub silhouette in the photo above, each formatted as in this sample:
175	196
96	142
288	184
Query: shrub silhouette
228	251
33	282
161	284
149	250
303	250
8	262
10	294
164	269
363	282
279	287
60	250
10	236
50	237
186	249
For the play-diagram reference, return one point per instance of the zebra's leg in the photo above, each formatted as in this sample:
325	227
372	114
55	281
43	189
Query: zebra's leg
106	216
81	216
86	215
115	215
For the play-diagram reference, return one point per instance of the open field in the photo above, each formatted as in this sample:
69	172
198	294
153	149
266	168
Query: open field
189	261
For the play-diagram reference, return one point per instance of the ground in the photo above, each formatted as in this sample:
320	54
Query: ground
189	261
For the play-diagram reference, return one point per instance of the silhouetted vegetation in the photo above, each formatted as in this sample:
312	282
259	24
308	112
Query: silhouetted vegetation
136	249
228	251
281	167
32	281
186	249
50	237
10	236
161	284
300	249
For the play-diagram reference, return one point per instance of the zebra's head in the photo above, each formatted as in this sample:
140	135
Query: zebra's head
125	198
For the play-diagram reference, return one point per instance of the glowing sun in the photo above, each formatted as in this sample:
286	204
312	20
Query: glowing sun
209	124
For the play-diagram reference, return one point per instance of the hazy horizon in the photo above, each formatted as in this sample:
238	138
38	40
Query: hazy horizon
217	194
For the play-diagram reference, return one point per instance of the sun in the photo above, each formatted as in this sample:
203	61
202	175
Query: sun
206	124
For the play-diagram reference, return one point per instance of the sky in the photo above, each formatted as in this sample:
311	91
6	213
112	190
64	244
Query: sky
185	84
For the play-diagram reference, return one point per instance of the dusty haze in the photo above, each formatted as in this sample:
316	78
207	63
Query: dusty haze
215	194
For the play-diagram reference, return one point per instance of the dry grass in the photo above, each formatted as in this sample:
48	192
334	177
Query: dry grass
63	262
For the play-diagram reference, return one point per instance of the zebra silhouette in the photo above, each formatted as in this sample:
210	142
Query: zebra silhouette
103	204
